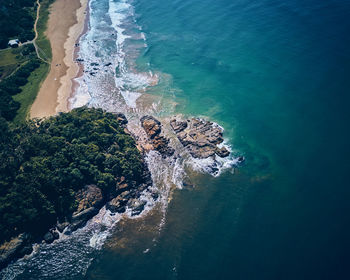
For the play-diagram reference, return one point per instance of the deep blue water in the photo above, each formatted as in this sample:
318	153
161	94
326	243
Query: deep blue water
275	74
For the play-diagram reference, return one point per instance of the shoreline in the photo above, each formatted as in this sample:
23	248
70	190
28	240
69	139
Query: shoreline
80	66
65	26
65	92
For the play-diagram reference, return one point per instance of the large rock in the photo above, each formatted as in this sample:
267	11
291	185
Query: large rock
14	249
48	237
118	204
137	206
80	219
222	152
90	200
151	125
153	128
90	196
201	138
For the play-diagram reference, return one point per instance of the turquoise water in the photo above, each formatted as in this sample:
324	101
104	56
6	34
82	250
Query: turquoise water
275	75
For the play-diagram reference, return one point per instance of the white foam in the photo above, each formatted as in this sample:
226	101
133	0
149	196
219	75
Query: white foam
81	96
130	97
214	165
118	12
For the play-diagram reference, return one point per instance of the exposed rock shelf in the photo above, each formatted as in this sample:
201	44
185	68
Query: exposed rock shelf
200	137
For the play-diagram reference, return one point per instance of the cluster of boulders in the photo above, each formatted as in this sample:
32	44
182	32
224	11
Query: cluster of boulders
200	137
127	195
153	129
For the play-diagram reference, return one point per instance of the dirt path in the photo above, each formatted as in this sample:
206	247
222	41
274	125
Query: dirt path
36	33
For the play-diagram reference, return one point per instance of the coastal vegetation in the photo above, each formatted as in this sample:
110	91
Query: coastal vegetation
12	86
16	20
43	164
21	70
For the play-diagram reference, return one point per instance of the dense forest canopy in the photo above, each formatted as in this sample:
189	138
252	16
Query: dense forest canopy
16	20
43	165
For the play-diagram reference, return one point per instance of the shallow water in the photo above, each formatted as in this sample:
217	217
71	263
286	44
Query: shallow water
275	76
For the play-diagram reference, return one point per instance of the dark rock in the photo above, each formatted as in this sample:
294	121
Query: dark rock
187	182
48	237
240	159
55	234
26	250
15	248
79	220
223	152
155	196
117	205
137	206
61	226
161	144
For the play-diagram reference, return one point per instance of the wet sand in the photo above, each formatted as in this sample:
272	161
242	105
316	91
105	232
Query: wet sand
65	24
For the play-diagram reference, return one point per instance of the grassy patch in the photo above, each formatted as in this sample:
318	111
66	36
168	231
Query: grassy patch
10	61
7	57
42	42
30	91
12	57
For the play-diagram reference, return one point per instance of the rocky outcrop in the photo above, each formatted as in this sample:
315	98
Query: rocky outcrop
90	200
14	249
127	193
153	129
201	138
51	236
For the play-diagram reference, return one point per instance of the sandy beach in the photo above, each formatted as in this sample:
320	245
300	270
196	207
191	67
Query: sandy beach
65	25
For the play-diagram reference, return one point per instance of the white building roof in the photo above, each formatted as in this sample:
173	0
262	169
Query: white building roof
14	42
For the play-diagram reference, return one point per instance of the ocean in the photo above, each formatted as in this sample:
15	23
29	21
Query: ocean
275	75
